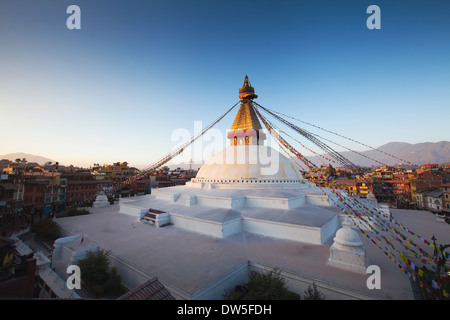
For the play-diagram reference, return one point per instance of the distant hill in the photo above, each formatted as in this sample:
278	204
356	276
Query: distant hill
29	157
419	154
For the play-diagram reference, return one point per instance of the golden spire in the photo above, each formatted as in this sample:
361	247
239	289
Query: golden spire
247	91
246	118
246	125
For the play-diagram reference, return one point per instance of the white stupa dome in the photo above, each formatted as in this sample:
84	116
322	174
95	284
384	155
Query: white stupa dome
101	201
347	236
251	165
101	197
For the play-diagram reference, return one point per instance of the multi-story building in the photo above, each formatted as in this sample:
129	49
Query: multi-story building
117	172
4	163
427	167
434	200
383	173
425	180
430	199
446	197
17	284
421	198
81	186
7	204
354	187
11	196
445	167
400	188
18	166
34	196
55	190
143	186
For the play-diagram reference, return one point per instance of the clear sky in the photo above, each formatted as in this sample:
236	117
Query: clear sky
119	88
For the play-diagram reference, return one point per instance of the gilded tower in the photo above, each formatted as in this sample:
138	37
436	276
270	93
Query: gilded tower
246	129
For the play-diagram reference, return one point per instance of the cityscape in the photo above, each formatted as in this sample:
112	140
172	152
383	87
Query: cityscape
224	152
31	189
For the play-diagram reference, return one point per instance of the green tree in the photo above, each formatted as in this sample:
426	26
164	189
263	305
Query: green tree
313	294
46	230
97	274
267	286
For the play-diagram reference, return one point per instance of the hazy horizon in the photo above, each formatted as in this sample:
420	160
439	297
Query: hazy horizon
195	163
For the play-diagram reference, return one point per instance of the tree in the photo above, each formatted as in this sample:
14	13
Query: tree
262	286
267	286
46	230
313	294
97	274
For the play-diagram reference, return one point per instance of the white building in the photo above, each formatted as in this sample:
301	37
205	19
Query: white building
434	200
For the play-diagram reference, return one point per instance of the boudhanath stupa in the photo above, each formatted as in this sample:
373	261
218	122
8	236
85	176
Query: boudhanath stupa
248	209
247	186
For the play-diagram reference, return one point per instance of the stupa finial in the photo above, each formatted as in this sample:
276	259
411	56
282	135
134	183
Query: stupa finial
246	129
247	91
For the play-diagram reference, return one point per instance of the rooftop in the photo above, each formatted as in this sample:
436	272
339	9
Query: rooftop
192	261
150	290
435	194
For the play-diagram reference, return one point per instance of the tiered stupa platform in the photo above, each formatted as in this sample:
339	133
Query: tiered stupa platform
294	214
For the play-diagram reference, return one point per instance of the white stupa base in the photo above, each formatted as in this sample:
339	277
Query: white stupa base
101	201
100	204
347	251
350	261
298	215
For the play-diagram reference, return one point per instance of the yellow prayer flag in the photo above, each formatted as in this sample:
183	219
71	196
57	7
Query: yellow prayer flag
420	272
403	257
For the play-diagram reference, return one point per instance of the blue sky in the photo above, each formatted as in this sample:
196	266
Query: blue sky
137	71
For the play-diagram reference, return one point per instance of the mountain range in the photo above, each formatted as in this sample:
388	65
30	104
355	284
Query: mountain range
395	153
29	157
